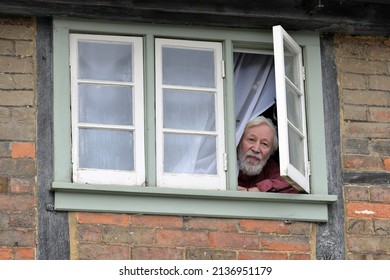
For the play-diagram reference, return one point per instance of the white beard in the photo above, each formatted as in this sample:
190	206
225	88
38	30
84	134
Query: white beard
247	167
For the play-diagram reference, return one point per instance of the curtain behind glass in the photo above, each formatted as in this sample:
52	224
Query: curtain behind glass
254	86
189	110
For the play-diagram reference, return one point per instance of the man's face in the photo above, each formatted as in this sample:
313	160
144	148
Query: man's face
255	149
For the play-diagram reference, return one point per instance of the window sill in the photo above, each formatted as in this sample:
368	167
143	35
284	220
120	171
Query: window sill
205	203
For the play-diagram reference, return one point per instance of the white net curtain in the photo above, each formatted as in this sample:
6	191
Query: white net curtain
254	85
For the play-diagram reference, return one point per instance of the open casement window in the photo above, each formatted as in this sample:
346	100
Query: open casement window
190	145
107	109
290	100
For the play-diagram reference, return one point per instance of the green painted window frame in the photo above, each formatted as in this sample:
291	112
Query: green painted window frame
165	201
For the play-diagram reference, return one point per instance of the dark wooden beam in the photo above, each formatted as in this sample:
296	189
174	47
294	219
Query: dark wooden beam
348	16
53	229
330	244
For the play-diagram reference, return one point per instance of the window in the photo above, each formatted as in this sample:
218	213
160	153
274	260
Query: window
145	120
290	96
189	114
107	109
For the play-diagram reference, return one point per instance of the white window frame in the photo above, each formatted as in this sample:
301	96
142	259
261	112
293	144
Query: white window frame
299	180
194	181
104	176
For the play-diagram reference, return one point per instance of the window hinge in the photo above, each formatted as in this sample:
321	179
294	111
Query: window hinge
225	162
308	168
223	73
303	73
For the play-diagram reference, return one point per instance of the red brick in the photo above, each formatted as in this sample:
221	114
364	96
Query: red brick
264	226
368	244
103	252
356	193
213	224
21	186
5	254
148	253
17	203
262	255
299	257
386	162
142	236
360	226
17	238
363	162
285	243
379	114
210	254
23	150
89	233
24	254
366	210
234	240
301	228
115	235
352	81
356	113
157	221
107	219
26	219
365	97
380	194
367	130
182	238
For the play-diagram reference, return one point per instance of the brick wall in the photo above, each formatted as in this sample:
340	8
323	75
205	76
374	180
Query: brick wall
17	140
122	236
363	65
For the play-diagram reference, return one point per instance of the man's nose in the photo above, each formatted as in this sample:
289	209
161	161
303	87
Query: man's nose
256	148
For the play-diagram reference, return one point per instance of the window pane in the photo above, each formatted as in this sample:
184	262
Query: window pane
296	150
291	65
188	67
105	104
294	110
106	149
189	110
192	154
105	61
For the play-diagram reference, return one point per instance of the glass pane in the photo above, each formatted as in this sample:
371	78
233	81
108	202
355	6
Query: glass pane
294	109
106	149
296	150
192	154
105	104
189	110
188	67
291	65
105	61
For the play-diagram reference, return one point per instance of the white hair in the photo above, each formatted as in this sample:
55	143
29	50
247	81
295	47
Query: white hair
263	120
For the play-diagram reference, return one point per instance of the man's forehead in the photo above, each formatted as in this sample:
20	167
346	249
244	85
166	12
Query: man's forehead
260	131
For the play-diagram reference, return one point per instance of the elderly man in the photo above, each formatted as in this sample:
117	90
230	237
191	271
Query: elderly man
259	173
